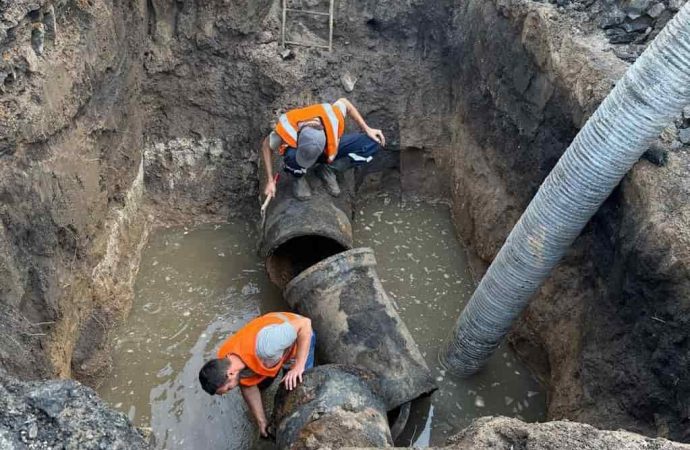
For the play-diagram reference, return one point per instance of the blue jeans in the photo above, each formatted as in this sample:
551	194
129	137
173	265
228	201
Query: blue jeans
312	348
354	149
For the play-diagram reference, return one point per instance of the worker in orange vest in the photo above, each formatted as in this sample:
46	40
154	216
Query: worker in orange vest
314	136
252	358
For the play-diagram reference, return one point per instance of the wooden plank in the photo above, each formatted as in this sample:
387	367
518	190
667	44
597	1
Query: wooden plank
330	26
306	44
284	18
304	11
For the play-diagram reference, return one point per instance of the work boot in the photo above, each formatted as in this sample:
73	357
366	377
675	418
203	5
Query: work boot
329	179
342	165
301	189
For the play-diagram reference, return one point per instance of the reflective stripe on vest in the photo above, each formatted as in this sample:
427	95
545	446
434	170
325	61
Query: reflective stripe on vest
287	129
243	344
331	118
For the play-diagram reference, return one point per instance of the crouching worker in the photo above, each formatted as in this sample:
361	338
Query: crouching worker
313	137
252	358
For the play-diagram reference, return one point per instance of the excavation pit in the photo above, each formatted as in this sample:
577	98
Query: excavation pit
122	115
198	285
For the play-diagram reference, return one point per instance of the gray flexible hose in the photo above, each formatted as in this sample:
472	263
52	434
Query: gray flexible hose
653	92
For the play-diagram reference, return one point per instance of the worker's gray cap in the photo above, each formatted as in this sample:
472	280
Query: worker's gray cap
310	145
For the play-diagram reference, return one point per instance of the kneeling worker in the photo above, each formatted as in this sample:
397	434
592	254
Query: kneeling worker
314	136
255	354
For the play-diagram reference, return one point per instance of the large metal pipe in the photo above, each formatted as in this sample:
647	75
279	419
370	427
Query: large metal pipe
653	92
334	407
356	323
298	234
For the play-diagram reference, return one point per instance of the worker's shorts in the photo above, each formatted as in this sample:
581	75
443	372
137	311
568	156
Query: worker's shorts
357	149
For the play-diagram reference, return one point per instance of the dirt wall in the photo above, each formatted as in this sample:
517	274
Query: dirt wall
607	331
216	83
70	139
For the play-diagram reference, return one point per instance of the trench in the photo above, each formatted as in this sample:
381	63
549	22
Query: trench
196	286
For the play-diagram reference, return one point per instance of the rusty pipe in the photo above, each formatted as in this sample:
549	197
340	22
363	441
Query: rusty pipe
298	234
357	324
335	406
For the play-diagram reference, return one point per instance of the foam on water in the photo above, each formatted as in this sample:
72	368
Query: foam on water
424	269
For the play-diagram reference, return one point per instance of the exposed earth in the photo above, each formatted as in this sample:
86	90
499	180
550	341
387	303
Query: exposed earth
118	116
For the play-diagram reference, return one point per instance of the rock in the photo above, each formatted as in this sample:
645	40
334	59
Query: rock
675	145
502	433
684	136
656	10
38	37
686	112
620	36
675	5
264	37
61	414
611	19
656	155
348	81
628	52
634	8
31	59
50	23
670	133
33	431
287	54
640	24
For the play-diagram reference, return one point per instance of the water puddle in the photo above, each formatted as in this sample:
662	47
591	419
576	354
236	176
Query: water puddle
196	287
425	271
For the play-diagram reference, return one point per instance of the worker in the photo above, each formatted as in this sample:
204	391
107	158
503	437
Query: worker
252	358
313	136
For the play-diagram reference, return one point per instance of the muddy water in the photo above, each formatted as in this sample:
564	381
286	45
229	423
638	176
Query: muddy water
194	288
425	271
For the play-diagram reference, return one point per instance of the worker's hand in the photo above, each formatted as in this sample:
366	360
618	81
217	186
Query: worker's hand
376	135
263	428
293	377
270	189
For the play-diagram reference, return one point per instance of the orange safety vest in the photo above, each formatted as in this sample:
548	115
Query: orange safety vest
331	118
243	344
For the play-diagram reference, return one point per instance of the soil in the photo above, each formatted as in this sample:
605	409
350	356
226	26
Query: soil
118	115
502	433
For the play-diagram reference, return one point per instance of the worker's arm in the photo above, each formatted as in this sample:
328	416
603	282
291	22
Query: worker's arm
252	396
270	189
373	133
304	332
